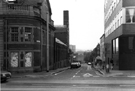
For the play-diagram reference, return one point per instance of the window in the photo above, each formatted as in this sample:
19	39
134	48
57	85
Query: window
28	34
14	34
114	46
117	45
115	25
20	34
44	37
121	21
118	22
14	59
131	42
28	59
130	15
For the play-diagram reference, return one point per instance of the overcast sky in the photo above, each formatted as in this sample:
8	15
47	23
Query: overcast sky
86	21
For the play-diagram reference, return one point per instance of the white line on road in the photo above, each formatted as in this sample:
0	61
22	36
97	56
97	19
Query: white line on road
77	72
130	85
59	73
48	88
131	76
87	75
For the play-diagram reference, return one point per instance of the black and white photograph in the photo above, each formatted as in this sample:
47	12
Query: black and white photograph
67	45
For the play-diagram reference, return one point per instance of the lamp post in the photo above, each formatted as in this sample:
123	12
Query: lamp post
47	25
39	4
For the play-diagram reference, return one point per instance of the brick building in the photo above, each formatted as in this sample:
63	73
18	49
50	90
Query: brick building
62	33
23	31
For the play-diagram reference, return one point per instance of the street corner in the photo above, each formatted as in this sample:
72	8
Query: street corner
100	71
59	70
111	74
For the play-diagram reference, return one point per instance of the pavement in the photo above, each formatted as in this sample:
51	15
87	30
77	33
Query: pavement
38	74
117	73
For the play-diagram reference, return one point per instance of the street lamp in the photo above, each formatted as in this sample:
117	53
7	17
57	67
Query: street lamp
47	25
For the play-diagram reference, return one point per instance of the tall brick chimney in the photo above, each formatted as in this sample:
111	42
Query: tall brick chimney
66	18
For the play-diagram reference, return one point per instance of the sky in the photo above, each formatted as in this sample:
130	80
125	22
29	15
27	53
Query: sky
86	21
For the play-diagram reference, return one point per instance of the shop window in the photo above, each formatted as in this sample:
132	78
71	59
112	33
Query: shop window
28	59
14	59
117	45
114	46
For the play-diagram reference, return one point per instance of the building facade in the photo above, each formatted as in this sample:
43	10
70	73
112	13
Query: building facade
60	54
23	32
120	33
102	47
62	31
62	34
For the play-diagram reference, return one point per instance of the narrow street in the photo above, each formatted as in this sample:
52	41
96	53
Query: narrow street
82	79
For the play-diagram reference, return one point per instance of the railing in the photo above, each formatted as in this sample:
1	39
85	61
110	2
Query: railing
20	10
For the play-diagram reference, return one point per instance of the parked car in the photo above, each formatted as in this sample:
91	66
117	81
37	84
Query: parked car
5	75
75	64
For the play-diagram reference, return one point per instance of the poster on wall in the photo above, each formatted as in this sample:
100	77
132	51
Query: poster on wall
14	59
28	59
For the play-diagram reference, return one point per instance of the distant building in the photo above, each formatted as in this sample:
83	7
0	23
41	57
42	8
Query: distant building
62	31
97	50
102	47
120	33
73	48
62	34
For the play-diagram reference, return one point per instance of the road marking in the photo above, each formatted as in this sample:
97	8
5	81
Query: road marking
77	72
74	85
59	73
87	75
127	85
131	76
88	67
41	88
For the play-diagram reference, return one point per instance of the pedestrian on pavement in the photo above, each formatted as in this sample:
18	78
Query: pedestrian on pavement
112	64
